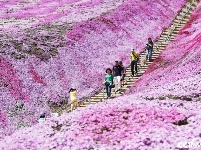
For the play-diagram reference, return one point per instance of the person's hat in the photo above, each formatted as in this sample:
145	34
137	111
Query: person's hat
42	113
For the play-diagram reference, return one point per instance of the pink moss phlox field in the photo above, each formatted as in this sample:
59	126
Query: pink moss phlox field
10	80
121	123
128	122
56	45
176	72
101	123
34	13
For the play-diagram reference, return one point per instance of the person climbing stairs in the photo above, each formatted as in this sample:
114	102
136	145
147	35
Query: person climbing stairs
159	45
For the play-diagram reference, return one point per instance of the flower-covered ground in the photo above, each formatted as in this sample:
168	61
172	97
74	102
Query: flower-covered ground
176	72
47	47
23	14
123	123
161	110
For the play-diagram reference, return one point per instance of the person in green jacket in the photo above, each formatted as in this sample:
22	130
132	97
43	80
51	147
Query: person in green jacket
108	81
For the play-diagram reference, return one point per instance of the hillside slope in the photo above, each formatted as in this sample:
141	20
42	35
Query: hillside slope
41	62
161	111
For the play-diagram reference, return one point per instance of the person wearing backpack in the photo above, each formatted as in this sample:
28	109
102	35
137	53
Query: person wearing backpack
123	73
109	82
149	49
117	76
134	57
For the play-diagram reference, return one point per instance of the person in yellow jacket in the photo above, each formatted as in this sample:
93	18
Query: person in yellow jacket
73	98
134	57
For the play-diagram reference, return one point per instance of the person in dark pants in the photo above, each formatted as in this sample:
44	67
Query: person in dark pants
123	73
149	49
108	82
134	56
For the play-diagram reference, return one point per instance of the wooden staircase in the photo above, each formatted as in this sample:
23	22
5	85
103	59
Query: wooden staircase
159	45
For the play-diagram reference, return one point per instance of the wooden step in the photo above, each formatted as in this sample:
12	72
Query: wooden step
165	40
153	55
132	79
181	21
173	33
129	83
129	80
89	103
101	98
92	99
128	86
141	69
83	106
139	74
